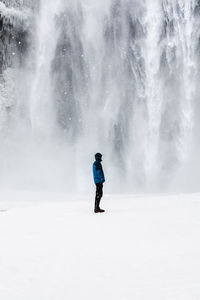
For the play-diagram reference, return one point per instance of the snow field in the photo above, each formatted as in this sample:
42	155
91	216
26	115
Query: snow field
144	247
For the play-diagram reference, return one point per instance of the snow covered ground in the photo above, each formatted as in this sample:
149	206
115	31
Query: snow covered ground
52	246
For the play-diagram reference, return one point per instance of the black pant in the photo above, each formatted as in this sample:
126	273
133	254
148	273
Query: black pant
99	194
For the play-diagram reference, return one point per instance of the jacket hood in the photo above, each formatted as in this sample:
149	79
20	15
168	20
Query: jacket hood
98	157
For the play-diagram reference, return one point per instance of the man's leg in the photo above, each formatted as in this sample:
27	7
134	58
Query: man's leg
99	194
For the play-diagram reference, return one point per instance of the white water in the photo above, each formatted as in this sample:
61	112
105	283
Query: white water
119	77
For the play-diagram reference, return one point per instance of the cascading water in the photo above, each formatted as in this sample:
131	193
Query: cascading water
119	77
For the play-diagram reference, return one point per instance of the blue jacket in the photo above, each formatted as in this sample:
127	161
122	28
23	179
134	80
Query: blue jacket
98	172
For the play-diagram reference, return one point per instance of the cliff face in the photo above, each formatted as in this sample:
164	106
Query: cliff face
14	27
15	35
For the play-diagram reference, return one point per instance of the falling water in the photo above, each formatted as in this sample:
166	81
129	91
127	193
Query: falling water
119	77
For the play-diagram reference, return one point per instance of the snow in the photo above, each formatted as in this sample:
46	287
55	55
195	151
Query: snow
143	247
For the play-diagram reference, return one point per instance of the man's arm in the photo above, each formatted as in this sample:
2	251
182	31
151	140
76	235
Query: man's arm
100	175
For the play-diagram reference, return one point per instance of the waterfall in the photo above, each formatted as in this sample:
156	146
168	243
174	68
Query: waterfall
119	77
41	102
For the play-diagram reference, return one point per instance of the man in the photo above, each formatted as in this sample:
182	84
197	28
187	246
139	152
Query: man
99	179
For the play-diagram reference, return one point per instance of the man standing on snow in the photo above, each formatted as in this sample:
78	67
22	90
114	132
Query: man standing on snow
99	179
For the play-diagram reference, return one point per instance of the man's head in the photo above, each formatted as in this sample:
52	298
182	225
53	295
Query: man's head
98	156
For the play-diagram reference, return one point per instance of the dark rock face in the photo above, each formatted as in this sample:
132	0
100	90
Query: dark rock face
13	34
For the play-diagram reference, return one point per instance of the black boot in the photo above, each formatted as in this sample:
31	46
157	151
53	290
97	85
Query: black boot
99	210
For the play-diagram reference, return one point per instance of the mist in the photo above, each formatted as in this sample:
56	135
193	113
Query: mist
116	77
